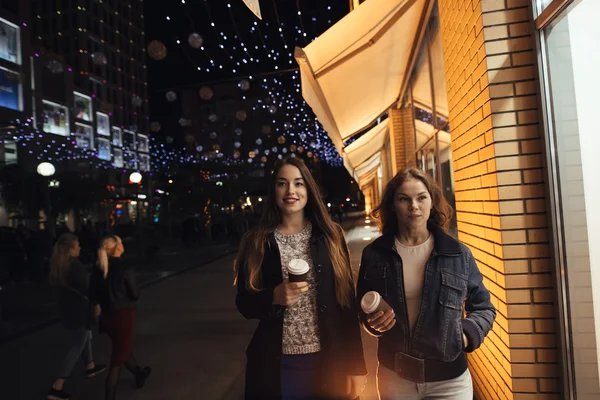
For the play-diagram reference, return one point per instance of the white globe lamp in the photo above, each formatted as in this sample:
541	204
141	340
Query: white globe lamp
46	169
135	177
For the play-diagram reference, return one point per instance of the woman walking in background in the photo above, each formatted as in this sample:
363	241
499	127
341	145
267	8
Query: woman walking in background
114	288
294	275
429	279
71	279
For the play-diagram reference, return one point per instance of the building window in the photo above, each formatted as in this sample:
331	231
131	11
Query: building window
142	143
83	106
56	118
11	90
10	42
118	158
84	136
130	160
144	162
428	103
103	124
570	54
103	149
129	139
10	152
117	136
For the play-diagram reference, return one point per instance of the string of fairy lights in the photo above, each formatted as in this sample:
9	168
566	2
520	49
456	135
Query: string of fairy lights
235	44
238	45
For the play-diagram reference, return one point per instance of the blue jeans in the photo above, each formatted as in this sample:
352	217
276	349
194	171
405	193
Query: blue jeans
392	387
299	376
80	346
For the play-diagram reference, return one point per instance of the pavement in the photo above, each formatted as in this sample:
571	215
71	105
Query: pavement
26	307
187	329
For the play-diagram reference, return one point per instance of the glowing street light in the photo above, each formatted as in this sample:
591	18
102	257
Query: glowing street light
135	177
46	169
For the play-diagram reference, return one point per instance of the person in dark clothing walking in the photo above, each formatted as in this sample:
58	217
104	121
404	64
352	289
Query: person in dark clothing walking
71	279
440	308
308	344
114	288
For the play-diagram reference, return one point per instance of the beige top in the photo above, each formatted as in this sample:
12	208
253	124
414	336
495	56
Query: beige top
414	259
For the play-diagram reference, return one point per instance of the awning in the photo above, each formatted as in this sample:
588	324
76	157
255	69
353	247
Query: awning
366	170
364	147
356	70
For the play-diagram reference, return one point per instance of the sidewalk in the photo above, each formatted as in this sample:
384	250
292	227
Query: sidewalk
187	328
28	306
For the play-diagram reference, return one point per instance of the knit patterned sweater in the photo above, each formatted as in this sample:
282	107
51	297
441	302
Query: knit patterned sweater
300	322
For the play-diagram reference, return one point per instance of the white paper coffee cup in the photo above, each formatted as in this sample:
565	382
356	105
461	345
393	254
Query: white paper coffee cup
372	302
298	270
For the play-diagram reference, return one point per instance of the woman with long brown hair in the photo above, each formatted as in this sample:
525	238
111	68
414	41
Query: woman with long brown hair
307	344
114	287
71	280
429	279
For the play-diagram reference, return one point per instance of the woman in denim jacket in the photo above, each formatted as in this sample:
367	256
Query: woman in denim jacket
440	306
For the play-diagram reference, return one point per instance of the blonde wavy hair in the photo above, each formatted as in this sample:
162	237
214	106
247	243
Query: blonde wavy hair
107	248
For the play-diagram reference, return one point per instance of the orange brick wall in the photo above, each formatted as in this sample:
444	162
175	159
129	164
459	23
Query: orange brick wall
490	67
402	139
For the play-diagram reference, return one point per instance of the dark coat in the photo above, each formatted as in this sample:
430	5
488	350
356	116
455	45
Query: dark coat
452	285
74	308
119	291
341	344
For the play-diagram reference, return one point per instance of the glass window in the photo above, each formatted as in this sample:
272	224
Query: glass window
144	162
428	99
117	136
129	160
129	139
542	4
83	106
142	143
10	42
11	90
572	54
56	118
103	124
84	136
103	149
118	158
10	152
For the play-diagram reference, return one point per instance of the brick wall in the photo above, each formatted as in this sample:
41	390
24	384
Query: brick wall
402	138
490	67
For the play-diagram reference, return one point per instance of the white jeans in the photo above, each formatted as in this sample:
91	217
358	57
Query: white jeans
391	387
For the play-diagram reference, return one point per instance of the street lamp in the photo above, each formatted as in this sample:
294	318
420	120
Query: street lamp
136	178
46	170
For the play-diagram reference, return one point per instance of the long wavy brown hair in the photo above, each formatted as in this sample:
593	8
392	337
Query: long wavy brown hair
61	258
252	248
441	214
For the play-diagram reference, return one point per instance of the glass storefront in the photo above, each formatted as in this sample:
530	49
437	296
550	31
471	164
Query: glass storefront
569	55
428	99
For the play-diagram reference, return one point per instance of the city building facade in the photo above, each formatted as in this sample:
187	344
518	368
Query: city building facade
81	80
496	100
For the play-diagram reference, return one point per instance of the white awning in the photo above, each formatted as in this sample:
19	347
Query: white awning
364	147
356	70
365	169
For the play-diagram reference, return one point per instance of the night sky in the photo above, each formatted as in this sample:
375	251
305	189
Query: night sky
236	45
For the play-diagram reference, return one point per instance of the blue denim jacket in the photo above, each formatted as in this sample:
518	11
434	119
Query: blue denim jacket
454	300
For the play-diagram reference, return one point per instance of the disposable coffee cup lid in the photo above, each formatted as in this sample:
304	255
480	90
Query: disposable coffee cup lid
298	266
370	302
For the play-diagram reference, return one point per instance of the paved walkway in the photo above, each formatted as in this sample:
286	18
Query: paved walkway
187	329
28	306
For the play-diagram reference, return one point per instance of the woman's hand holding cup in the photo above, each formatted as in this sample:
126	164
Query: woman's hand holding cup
288	292
382	321
380	316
